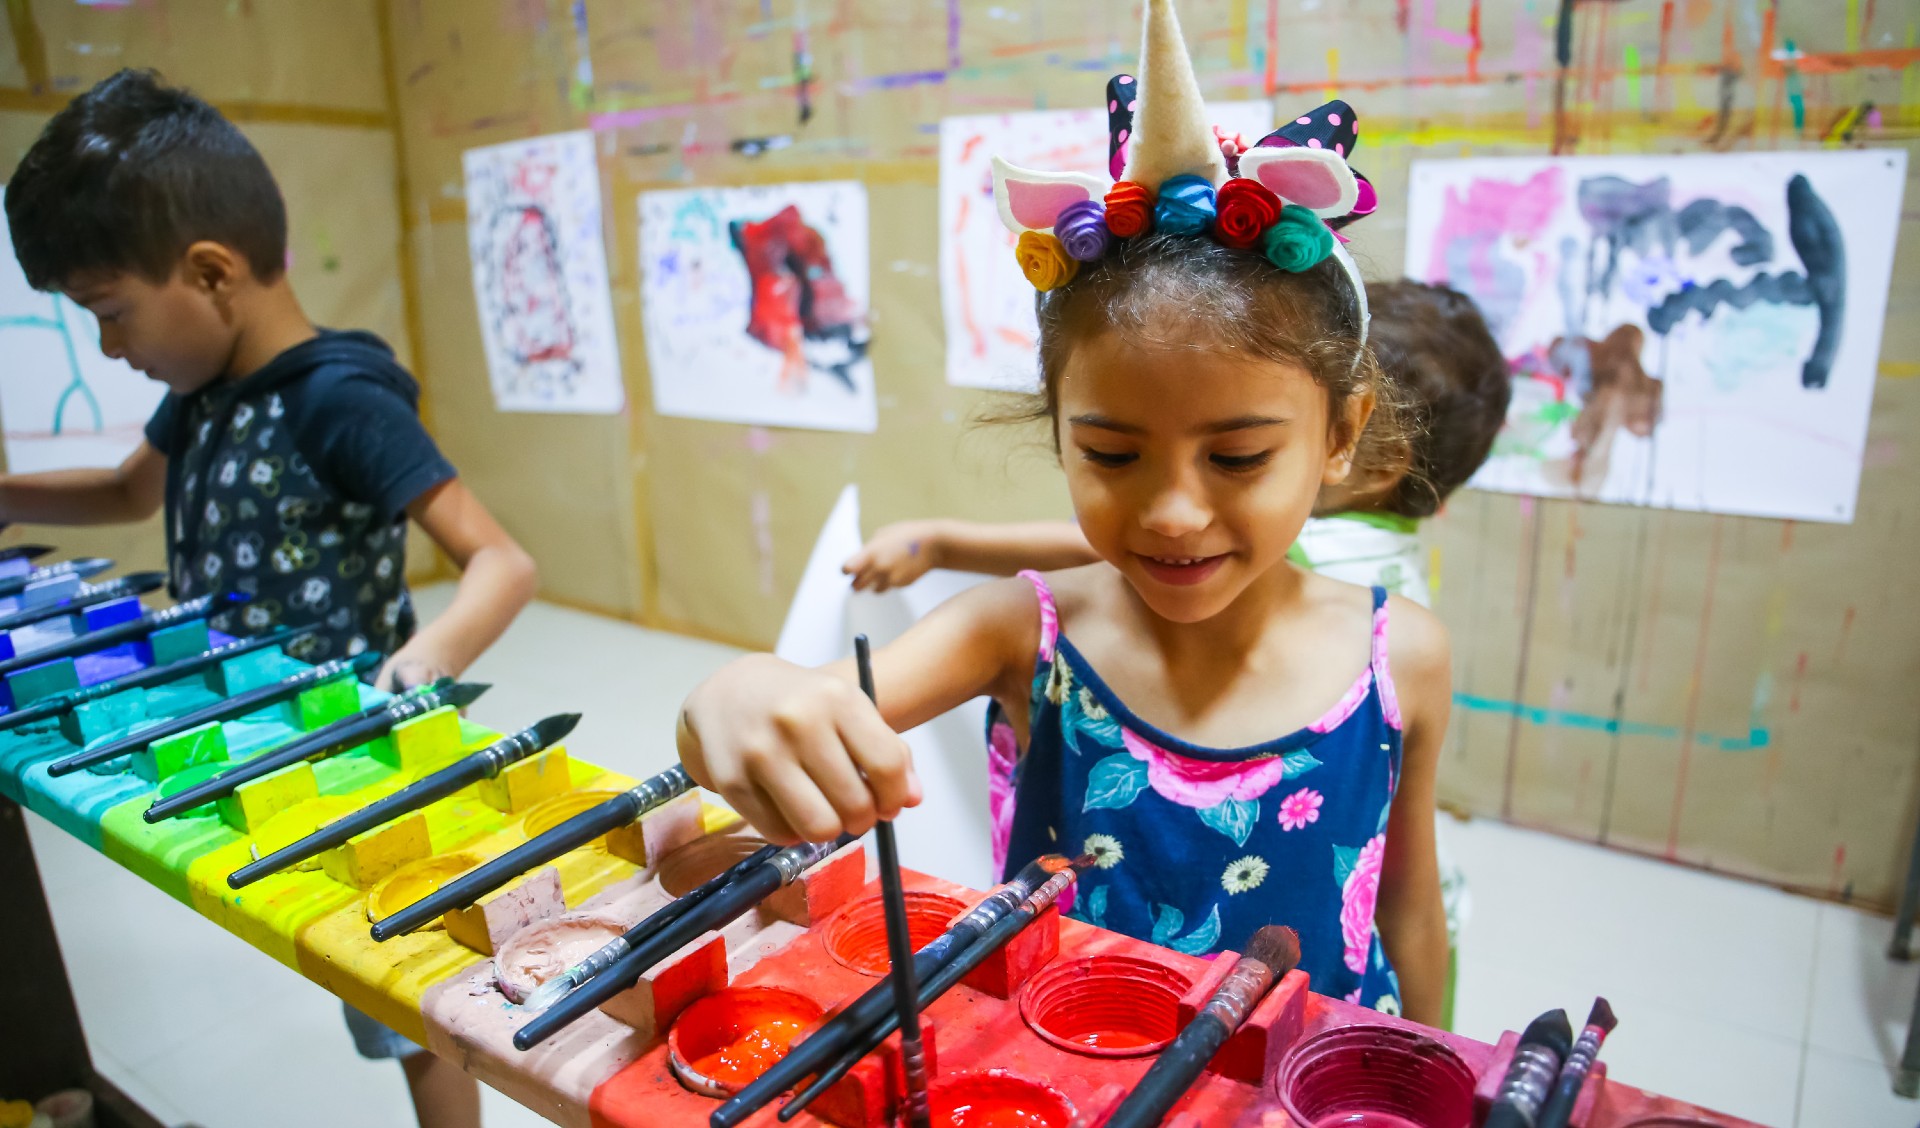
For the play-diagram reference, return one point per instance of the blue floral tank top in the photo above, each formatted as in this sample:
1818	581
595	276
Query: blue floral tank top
1198	847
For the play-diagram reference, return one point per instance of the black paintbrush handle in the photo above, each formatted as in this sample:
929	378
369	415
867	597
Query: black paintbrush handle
1171	1074
137	584
724	907
141	679
26	551
109	636
484	764
239	705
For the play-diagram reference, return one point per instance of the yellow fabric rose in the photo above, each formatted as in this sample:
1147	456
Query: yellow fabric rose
1044	261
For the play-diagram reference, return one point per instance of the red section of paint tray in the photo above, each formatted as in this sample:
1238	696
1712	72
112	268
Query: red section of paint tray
979	1026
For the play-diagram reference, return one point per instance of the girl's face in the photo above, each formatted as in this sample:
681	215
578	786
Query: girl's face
1192	470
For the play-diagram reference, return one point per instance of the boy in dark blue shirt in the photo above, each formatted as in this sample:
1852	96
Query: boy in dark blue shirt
289	458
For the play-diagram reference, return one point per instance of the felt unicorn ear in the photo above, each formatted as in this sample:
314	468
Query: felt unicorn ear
1030	200
1171	135
1316	179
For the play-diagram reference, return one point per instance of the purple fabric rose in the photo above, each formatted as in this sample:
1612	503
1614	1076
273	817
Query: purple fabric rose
1082	230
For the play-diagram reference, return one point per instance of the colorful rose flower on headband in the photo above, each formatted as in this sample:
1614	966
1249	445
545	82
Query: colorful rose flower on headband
1185	206
1129	209
1082	230
1246	209
1044	261
1297	241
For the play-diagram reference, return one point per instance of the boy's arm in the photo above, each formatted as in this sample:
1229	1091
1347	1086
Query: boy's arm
497	578
131	491
1411	917
901	553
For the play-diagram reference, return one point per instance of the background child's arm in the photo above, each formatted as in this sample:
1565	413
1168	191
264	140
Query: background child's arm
801	754
901	553
1411	917
131	491
496	580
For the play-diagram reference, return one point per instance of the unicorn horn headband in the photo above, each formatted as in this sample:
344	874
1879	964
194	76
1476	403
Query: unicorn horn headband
1286	197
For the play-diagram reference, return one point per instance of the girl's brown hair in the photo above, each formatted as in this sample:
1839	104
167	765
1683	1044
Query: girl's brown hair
1176	291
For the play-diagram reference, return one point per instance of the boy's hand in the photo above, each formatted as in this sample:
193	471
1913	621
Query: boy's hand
410	666
801	754
896	556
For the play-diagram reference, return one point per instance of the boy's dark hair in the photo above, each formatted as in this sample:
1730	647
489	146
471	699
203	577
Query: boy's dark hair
132	173
1453	381
1180	292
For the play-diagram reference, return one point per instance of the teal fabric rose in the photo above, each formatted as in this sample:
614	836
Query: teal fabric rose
1297	241
1185	206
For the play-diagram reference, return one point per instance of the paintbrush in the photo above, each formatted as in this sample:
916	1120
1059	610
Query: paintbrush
239	705
1536	1062
24	552
893	899
348	732
82	568
1558	1111
575	832
557	988
60	703
139	583
876	1006
722	908
1273	951
484	764
109	636
1062	874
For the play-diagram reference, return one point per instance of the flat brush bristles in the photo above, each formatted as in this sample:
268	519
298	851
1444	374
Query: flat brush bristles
1602	1015
1276	946
1551	1030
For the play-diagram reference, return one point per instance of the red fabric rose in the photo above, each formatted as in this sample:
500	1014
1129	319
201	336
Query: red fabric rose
1129	209
1246	208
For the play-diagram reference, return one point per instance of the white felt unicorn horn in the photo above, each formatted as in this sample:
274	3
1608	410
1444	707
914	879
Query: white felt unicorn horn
1170	131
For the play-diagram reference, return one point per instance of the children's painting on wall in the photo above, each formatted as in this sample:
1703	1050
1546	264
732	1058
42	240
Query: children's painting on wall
540	275
992	334
1686	332
63	403
755	304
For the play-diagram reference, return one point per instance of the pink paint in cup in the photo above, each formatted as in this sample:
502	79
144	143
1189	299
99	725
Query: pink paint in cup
1376	1077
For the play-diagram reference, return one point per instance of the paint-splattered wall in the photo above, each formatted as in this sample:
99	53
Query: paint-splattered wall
1729	692
307	85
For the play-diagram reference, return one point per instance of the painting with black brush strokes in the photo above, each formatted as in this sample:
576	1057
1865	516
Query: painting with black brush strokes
1688	332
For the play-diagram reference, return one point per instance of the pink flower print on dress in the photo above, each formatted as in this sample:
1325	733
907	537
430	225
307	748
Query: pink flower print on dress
1357	899
1002	753
1204	783
1389	700
1300	808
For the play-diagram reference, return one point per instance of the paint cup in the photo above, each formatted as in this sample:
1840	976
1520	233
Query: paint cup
546	948
1106	1006
295	823
1376	1077
995	1098
545	816
704	858
414	881
727	1039
857	937
194	777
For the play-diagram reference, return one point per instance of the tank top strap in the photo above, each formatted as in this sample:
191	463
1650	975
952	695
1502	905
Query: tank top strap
1382	675
1049	614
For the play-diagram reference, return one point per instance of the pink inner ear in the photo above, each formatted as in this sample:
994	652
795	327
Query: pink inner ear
1307	183
1038	205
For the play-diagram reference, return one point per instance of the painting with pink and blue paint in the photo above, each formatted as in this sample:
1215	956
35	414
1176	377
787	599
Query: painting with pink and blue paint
1685	332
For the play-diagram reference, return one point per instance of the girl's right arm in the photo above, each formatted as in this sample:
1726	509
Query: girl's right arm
129	492
802	754
902	552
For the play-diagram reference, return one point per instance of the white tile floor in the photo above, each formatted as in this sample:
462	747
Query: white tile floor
1773	1007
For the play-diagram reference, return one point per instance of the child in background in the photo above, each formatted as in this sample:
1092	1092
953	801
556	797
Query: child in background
289	458
1433	347
1204	393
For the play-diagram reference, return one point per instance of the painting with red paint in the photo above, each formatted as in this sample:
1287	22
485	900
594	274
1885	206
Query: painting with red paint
540	275
992	334
1686	332
755	304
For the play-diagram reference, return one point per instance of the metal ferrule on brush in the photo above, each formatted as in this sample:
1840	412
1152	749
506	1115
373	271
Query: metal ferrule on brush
502	754
670	784
796	860
1529	1079
192	608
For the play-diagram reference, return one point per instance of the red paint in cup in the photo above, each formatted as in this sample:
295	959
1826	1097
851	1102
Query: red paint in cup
857	938
997	1099
1376	1077
1106	1006
726	1039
